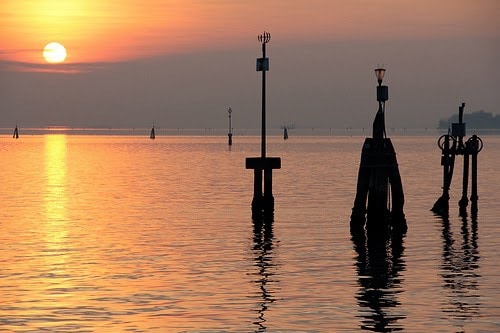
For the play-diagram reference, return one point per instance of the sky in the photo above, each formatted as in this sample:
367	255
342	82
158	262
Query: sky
183	63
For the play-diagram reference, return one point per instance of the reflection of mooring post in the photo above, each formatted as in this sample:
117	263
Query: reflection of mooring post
378	177
230	133
470	148
263	202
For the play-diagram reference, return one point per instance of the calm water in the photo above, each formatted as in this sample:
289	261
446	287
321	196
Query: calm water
126	234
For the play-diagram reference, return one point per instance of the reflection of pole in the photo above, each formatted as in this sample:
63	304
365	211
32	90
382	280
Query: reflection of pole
263	246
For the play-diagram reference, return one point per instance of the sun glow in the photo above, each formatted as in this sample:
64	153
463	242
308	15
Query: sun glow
54	53
97	31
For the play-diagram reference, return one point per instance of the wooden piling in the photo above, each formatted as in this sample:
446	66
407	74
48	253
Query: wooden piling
378	176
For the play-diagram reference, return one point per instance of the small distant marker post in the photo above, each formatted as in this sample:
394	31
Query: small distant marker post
230	133
16	133
263	201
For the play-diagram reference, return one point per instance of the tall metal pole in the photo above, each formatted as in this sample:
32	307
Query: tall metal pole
230	132
263	202
263	65
263	155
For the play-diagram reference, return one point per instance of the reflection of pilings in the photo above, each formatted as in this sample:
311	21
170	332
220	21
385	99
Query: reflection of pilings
379	266
262	248
459	270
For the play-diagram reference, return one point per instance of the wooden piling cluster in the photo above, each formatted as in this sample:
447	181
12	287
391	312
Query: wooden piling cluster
379	180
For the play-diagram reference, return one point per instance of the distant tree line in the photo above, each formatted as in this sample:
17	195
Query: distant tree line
478	119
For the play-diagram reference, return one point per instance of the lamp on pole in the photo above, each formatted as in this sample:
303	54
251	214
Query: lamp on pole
379	73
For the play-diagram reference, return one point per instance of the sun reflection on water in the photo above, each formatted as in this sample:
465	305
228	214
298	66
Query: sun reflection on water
55	199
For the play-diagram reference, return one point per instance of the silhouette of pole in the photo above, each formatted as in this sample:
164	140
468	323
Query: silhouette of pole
475	145
230	133
16	133
263	201
263	65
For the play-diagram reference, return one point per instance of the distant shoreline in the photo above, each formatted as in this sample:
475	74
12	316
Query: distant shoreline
366	132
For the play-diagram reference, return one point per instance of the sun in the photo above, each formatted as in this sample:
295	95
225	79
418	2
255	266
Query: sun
54	53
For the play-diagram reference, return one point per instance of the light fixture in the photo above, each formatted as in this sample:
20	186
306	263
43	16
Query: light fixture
380	72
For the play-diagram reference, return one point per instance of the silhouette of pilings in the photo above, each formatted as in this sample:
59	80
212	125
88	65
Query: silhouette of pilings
378	178
451	146
263	199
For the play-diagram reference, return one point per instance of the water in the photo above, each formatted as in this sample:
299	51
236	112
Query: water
113	233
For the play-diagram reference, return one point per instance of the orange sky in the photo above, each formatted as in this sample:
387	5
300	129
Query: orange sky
109	31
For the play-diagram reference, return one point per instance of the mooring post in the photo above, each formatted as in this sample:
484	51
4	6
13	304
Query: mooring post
458	130
464	202
448	152
470	148
263	202
476	145
377	177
